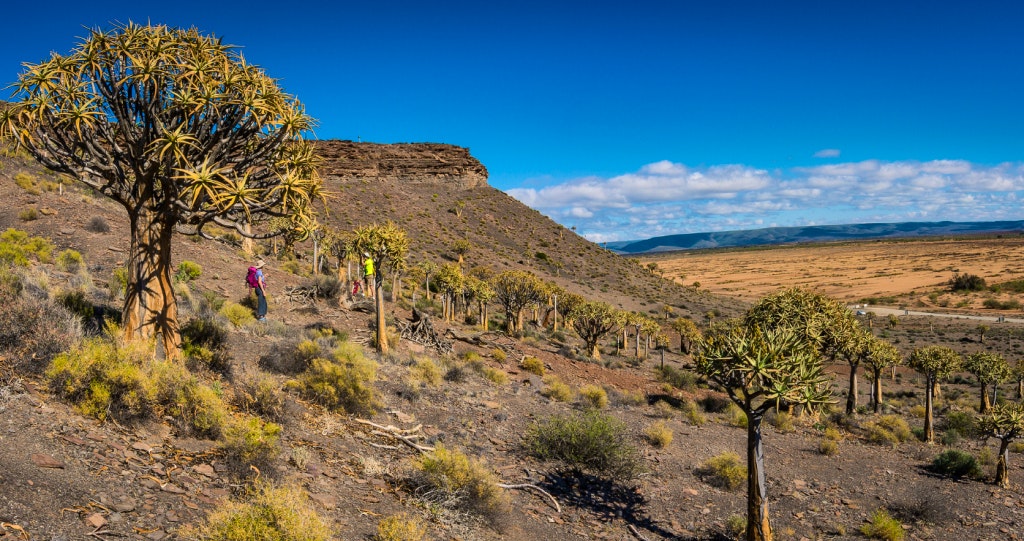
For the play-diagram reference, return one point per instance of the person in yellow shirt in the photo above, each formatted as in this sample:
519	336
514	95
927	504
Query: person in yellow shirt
368	278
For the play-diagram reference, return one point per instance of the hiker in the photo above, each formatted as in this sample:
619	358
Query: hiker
368	274
258	282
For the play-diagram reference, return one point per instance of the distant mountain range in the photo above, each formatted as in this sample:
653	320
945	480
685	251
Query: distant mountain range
815	233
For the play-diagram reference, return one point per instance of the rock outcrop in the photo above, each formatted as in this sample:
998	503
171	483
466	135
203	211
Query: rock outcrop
426	163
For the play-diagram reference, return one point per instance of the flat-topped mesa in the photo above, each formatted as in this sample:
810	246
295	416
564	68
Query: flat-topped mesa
433	163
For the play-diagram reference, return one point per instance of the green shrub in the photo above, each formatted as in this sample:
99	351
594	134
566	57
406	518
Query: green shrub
451	479
590	441
499	355
28	215
498	377
97	225
883	526
101	379
736	524
693	413
966	282
188	271
268	513
961	422
594	396
782	421
401	527
118	283
16	248
956	463
556	389
680	379
77	304
725	471
532	365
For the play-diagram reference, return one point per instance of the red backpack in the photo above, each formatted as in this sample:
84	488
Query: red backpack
251	280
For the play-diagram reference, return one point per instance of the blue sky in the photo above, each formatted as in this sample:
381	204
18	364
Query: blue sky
635	119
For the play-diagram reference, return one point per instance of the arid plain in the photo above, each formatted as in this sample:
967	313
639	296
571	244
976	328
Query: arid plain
902	270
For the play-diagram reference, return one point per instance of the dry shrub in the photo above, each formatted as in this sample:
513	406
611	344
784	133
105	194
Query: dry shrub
259	395
590	441
659	434
532	365
342	383
268	512
725	470
401	527
452	480
250	442
425	370
556	389
883	526
594	396
888	429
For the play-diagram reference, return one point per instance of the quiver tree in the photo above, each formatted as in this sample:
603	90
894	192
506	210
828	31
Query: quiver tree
567	303
881	355
482	292
823	322
1018	375
449	281
387	245
592	321
759	368
857	350
461	247
429	268
689	333
515	290
1006	422
935	363
650	328
990	369
181	131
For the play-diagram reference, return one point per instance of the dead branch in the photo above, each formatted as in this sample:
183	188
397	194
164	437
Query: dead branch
421	330
636	532
406	436
558	508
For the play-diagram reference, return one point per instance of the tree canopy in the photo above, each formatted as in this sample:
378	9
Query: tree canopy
180	130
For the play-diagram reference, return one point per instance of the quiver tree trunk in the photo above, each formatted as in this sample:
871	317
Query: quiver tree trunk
150	310
851	397
876	392
382	332
985	403
1002	466
758	525
929	430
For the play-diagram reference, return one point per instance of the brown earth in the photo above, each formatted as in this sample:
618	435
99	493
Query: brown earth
67	477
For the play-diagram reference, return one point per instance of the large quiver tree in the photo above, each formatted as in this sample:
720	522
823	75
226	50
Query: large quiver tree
388	246
181	131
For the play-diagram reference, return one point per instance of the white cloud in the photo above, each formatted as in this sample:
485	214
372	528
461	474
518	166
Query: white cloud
827	153
665	197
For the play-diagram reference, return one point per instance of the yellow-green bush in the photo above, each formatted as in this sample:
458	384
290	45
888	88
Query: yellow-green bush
828	447
345	383
735	416
450	478
498	377
17	247
782	421
69	261
268	513
591	441
259	395
401	527
238	315
556	389
425	370
883	526
594	396
658	434
498	354
888	429
693	413
28	183
249	441
532	365
725	470
29	214
100	378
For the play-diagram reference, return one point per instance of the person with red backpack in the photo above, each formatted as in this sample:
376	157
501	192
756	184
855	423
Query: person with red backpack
257	282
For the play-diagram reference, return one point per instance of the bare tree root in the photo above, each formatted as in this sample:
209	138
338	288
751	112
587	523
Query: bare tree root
558	508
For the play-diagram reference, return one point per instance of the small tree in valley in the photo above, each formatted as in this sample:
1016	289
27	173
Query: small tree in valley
760	367
990	369
882	355
593	321
935	363
1005	422
515	290
688	331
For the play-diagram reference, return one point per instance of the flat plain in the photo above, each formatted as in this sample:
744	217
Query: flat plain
904	270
